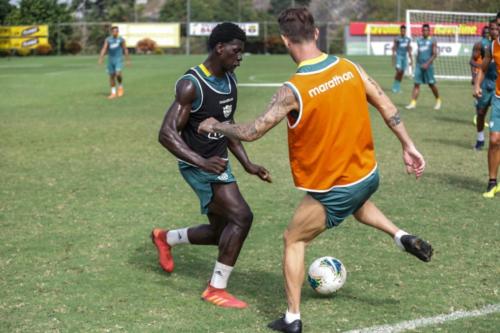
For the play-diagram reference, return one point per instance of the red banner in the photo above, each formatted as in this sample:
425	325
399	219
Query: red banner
392	28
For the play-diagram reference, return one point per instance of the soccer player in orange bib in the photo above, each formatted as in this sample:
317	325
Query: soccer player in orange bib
331	150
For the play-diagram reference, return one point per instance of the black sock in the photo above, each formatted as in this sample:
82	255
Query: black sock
493	181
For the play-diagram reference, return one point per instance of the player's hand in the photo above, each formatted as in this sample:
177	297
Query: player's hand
100	61
414	161
259	171
206	126
424	66
214	164
477	92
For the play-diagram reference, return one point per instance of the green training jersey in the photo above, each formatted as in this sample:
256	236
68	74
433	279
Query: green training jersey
115	49
424	49
402	44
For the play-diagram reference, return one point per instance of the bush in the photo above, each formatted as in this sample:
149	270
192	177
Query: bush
43	49
158	50
146	46
5	52
73	47
23	52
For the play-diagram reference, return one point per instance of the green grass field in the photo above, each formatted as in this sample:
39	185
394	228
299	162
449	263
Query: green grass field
83	180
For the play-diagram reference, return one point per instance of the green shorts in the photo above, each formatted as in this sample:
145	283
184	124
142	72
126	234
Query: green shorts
114	65
488	89
201	182
495	115
342	201
401	62
424	76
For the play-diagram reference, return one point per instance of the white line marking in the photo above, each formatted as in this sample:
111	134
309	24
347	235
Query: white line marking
412	324
260	85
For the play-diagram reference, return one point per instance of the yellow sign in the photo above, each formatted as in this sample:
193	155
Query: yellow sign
23	43
29	31
164	34
23	37
4	43
4	31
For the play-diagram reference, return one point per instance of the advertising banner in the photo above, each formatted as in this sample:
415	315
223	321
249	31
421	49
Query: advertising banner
164	34
205	28
386	28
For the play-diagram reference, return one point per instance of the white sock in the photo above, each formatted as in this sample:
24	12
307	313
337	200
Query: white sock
397	238
291	317
178	236
480	136
221	275
113	90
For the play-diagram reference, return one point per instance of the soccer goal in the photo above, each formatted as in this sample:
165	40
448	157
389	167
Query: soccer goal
455	33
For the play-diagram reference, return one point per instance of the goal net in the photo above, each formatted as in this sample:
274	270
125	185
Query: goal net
455	33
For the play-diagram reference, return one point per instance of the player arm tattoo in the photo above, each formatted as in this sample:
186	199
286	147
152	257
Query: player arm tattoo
281	104
394	120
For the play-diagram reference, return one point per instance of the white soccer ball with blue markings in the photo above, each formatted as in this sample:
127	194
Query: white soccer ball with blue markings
326	275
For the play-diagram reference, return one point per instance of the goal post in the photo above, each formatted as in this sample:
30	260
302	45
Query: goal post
455	33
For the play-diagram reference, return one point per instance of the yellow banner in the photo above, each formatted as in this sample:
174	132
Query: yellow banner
24	43
4	43
4	31
29	31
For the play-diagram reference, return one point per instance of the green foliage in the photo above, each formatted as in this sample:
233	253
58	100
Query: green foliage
212	10
5	9
387	9
277	6
105	10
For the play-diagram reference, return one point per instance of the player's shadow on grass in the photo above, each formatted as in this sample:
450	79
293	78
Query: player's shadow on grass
460	143
461	181
261	288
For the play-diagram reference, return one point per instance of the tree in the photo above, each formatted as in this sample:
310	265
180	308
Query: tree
5	9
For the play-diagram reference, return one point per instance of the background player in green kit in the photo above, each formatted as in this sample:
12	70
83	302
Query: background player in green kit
482	103
401	51
492	55
115	46
209	90
424	70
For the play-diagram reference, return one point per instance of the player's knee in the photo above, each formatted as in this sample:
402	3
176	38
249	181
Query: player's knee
495	142
243	218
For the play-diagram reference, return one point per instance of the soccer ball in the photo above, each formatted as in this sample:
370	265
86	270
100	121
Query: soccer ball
326	275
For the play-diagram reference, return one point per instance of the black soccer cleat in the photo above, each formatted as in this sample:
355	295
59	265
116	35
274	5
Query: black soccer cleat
281	326
418	247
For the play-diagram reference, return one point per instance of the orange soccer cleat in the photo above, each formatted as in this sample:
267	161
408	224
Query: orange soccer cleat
112	96
158	236
120	91
222	298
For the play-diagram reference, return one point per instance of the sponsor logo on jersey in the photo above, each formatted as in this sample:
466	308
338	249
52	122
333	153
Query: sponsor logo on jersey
335	81
226	110
227	100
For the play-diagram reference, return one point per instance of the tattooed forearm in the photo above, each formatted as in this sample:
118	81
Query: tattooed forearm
375	84
245	132
282	102
394	120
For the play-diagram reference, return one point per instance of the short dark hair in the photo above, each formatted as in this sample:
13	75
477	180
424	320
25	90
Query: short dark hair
224	33
297	24
402	26
426	25
498	15
114	27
